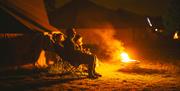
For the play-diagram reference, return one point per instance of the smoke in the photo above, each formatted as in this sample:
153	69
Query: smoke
109	47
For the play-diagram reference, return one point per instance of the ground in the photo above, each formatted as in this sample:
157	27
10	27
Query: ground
145	76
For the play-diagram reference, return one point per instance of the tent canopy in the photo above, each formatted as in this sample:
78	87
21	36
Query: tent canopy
31	14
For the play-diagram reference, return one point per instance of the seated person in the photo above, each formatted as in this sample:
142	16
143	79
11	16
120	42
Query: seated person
51	39
79	44
58	38
77	57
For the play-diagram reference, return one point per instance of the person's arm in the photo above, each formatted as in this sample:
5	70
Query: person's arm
73	45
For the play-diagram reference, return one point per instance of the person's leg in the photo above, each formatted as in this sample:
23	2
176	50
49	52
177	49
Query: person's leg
91	69
90	61
94	67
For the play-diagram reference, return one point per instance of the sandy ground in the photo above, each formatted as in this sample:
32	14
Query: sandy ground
116	77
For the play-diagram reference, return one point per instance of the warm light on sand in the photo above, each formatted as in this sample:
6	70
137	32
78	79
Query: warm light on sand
125	58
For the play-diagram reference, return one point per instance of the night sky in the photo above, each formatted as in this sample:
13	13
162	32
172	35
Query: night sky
146	7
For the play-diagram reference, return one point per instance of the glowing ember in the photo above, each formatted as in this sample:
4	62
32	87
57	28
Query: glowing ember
125	58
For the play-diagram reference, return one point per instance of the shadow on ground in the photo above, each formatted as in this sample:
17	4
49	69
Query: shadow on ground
28	79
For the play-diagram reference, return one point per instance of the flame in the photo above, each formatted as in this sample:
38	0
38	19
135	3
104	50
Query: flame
176	35
125	58
41	62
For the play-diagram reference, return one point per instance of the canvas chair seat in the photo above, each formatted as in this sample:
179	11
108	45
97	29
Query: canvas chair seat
63	67
76	70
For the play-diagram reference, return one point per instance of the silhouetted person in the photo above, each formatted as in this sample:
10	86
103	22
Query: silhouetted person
78	41
58	46
53	41
58	38
79	44
77	57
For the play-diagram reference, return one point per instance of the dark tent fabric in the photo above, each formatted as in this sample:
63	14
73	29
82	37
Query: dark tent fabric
10	25
21	36
20	49
31	13
15	39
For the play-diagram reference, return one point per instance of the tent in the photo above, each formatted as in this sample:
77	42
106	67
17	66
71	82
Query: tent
22	29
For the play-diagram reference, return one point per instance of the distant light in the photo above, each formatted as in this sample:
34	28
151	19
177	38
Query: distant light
156	29
176	35
160	30
150	24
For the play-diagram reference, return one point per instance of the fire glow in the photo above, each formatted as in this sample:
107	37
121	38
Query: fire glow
176	35
125	58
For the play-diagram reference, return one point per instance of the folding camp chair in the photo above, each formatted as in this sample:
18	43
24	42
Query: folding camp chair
63	67
75	70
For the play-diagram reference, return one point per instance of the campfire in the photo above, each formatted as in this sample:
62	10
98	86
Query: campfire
127	62
125	58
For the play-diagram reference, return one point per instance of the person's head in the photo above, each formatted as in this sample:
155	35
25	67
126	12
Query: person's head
58	37
78	39
71	32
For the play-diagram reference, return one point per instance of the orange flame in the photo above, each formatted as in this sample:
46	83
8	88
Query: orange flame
125	58
41	62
